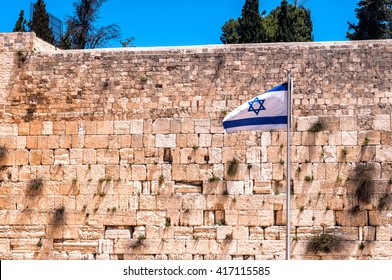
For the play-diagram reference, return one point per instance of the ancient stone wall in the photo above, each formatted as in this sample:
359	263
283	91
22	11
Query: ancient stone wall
120	153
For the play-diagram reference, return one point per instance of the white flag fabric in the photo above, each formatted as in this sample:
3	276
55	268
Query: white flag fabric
264	112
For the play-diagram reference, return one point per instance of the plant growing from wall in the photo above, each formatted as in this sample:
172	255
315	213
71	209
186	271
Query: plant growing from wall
22	56
316	127
59	215
139	241
3	152
384	201
325	243
362	174
34	186
232	167
214	178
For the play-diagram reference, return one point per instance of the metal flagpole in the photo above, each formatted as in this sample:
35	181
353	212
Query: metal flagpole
288	184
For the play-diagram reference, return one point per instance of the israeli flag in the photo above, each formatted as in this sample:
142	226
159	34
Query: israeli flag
264	112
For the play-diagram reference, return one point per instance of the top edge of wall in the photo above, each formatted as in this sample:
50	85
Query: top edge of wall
14	41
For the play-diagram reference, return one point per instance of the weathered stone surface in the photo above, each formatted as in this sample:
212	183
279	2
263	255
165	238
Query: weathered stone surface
130	142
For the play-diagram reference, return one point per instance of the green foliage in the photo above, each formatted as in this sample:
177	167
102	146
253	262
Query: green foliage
22	55
84	34
128	42
325	243
250	23
316	127
374	20
139	241
232	167
34	186
361	246
363	174
384	202
308	178
167	222
66	42
214	178
230	32
59	215
3	152
40	22
285	23
20	25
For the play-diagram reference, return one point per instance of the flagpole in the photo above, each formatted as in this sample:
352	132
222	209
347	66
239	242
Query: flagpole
288	184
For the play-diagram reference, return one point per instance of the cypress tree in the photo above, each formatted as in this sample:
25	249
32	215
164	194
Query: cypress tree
40	22
250	23
374	20
20	25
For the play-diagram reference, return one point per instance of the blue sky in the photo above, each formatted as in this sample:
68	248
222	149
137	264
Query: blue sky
186	22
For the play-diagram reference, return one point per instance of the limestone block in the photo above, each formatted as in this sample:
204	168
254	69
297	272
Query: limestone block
350	138
104	127
150	217
321	138
241	232
205	140
35	157
193	172
329	153
369	137
253	155
96	141
76	156
347	218
35	128
202	125
262	187
121	127
137	127
108	156
187	126
382	122
165	141
47	157
378	218
305	123
235	187
383	153
348	123
53	142
175	126
335	138
23	129
179	172
47	128
384	232
139	172
246	246
183	232
117	234
70	128
22	157
89	156
31	142
204	232
215	155
161	126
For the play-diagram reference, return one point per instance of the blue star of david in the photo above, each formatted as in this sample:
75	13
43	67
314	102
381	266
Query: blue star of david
255	109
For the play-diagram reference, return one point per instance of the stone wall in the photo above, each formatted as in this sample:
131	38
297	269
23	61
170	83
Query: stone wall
120	153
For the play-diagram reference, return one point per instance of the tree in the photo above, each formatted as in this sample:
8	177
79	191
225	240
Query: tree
286	23
374	20
84	35
128	42
20	25
230	32
294	23
65	42
40	22
250	23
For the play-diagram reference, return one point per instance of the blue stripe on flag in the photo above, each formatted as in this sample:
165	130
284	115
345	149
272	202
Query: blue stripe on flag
281	87
255	121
